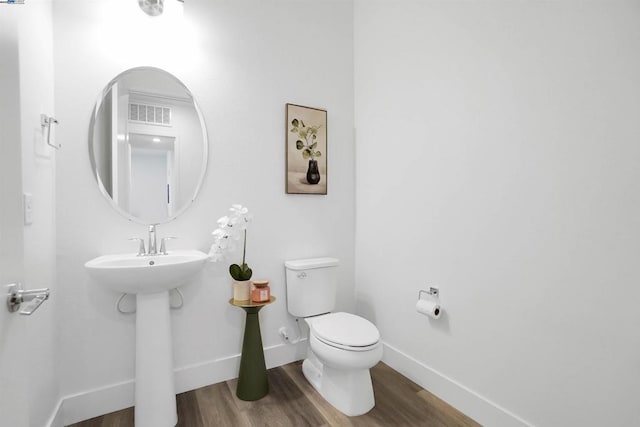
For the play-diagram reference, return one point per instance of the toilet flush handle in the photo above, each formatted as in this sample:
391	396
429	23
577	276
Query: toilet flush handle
302	275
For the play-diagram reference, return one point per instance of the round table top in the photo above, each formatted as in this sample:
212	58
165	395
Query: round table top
249	303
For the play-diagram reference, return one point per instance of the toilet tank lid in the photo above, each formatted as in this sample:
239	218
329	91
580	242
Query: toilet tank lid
309	263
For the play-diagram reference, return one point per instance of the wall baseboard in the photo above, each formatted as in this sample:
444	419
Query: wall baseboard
103	400
462	398
57	418
99	401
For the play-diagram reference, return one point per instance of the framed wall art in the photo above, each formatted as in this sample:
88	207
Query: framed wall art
306	150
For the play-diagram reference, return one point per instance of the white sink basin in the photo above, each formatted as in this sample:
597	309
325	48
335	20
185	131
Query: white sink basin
132	274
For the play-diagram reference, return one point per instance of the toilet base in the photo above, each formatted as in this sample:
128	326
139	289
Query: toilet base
348	390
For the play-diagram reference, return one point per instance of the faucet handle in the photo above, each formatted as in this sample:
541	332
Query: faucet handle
141	250
163	245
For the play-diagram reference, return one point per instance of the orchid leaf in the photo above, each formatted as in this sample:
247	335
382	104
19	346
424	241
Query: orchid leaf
240	273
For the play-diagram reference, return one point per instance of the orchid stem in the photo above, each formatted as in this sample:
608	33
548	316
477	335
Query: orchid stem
244	248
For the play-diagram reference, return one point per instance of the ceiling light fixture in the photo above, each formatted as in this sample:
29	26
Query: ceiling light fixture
154	7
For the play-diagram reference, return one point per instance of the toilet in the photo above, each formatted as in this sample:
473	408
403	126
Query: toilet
342	346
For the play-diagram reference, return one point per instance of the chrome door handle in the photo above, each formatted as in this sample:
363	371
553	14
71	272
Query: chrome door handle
32	299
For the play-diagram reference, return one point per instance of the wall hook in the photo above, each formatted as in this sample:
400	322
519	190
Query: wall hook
46	122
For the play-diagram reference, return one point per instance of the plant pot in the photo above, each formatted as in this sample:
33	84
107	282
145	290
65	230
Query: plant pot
242	290
313	174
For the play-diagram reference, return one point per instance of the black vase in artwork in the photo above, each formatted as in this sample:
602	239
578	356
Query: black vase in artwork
313	174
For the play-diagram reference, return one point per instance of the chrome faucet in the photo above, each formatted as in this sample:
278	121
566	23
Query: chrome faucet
153	245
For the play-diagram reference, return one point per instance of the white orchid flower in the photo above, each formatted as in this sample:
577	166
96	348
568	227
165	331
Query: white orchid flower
224	221
216	253
219	233
231	228
239	209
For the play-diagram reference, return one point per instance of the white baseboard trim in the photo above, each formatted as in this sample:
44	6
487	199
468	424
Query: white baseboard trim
103	400
56	418
462	398
211	372
99	401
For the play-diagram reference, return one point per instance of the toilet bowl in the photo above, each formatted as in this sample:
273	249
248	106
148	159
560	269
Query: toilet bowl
344	340
342	346
342	349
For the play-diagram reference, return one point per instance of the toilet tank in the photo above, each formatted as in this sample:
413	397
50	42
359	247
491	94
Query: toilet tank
311	286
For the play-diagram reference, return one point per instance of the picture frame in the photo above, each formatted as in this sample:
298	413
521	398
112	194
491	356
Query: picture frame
306	150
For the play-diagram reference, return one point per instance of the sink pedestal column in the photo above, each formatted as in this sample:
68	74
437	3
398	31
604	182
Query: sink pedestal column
155	397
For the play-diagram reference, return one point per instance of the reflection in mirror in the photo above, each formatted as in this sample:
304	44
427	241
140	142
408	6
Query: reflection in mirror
148	145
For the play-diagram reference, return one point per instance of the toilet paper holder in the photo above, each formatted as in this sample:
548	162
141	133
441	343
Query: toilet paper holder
434	292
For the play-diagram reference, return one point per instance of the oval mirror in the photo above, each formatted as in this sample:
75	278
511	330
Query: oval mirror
148	145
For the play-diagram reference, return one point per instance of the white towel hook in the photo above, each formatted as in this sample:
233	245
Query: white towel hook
47	121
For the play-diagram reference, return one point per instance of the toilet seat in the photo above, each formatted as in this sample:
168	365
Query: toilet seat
345	331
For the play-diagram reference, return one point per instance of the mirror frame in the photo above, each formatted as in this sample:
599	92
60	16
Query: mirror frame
92	157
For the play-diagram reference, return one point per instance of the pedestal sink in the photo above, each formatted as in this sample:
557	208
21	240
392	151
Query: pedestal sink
150	278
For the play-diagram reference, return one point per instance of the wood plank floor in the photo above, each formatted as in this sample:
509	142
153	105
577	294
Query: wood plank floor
292	401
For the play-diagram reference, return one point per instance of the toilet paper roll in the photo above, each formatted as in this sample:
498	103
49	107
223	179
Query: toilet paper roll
428	308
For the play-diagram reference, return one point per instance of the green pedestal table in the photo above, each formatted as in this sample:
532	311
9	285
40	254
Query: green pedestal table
252	379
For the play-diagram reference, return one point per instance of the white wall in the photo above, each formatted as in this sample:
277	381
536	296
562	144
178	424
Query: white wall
242	61
29	391
38	178
497	158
